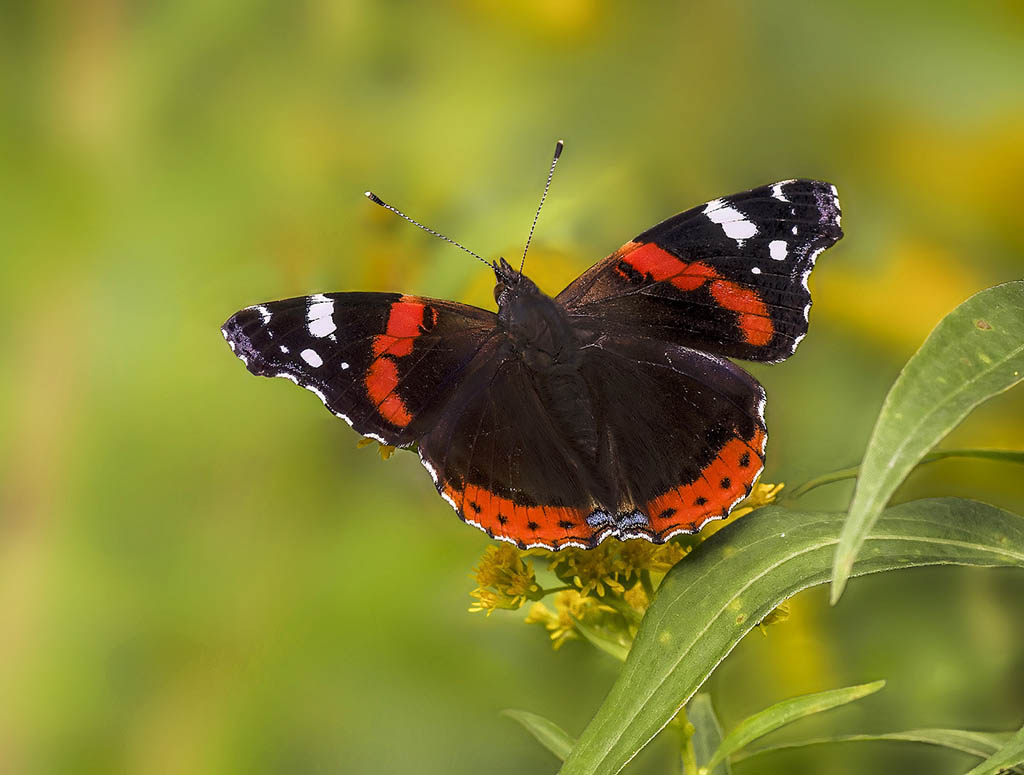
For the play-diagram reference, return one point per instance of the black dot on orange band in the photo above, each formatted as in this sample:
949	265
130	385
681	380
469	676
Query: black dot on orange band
701	500
475	506
565	524
666	513
726	483
532	525
744	460
502	519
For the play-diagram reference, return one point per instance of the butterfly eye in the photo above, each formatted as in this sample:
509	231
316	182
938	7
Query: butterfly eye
498	290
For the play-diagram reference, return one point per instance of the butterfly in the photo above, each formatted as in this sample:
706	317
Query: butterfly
611	409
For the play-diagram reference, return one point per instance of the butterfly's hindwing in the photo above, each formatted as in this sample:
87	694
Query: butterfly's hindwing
728	277
383	362
677	438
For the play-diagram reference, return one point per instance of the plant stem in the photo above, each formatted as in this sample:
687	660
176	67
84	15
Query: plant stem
553	590
645	579
687	754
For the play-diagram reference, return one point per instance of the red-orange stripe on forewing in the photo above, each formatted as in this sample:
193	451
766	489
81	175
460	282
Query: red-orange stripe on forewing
381	381
406	318
755	323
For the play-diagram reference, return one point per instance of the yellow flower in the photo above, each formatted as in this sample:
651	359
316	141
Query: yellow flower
385	450
593	570
665	556
570	607
504	580
636	596
780	614
762	495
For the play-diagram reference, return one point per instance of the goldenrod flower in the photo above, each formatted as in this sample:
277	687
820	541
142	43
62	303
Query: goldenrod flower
593	570
570	607
504	580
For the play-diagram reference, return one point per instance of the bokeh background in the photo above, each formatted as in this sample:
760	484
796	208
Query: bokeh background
201	572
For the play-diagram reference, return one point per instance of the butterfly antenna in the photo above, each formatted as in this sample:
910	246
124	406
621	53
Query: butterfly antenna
377	200
551	173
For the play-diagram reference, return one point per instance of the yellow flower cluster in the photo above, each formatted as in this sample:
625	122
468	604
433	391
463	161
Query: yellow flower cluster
504	580
613	565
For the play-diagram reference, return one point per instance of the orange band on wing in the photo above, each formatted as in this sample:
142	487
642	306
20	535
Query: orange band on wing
405	323
754	321
501	517
381	381
727	478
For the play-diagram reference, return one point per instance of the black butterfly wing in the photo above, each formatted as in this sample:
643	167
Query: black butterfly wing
684	431
644	440
383	362
728	277
503	463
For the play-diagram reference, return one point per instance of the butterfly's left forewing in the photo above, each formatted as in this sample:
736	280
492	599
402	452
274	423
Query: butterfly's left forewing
383	362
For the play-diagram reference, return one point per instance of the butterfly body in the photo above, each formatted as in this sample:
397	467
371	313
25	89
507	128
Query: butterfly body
610	409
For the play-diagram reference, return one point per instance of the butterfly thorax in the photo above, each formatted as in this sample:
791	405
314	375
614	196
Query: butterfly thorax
537	326
540	333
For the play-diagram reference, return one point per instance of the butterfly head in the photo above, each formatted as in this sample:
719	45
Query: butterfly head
511	284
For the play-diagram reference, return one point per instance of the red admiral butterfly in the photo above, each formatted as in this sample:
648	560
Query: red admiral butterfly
608	410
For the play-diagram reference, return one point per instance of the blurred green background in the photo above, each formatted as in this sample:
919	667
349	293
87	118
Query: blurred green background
200	572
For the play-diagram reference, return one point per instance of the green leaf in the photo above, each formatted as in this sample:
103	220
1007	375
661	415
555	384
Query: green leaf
601	641
546	732
1002	455
785	712
1007	757
980	744
707	732
975	352
736	577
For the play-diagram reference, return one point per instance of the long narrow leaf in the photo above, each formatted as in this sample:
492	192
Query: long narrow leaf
707	732
1007	757
980	744
730	582
975	352
546	732
785	712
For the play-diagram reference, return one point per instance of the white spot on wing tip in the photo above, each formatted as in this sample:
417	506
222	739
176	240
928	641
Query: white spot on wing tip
320	316
312	357
755	270
778	249
733	222
777	191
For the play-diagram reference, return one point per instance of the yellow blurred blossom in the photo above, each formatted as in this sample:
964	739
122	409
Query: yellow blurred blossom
780	614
